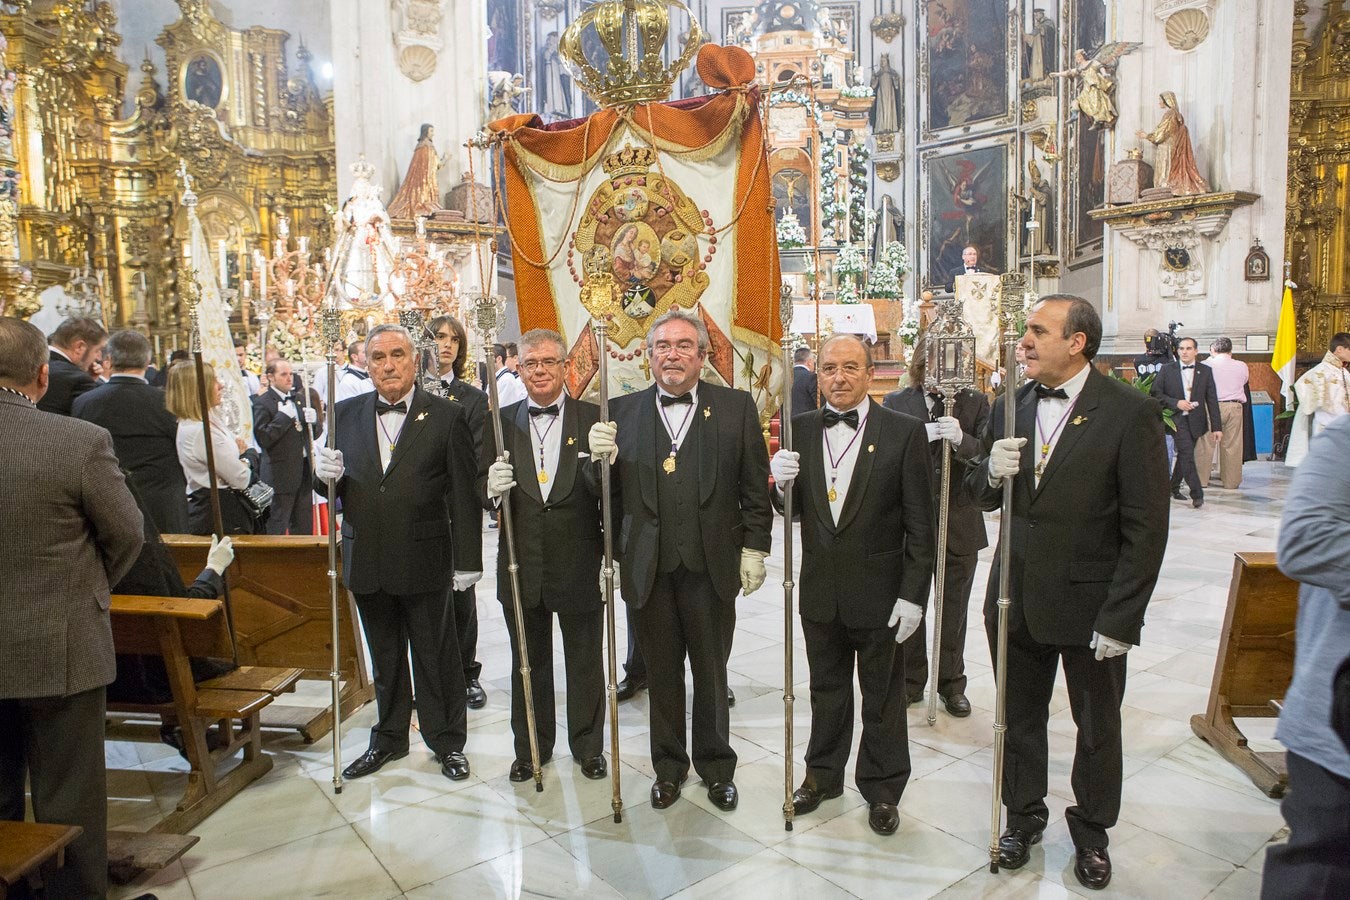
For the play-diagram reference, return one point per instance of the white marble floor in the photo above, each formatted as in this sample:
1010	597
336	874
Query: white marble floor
1192	826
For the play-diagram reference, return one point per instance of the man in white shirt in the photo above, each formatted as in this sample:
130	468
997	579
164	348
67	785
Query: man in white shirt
509	388
353	379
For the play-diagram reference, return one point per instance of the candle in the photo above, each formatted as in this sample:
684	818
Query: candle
262	278
304	245
143	281
224	265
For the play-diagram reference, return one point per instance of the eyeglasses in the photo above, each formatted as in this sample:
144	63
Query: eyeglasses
667	348
531	365
850	370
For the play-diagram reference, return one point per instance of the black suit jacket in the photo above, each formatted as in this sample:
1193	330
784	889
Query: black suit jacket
406	530
883	547
65	382
145	437
558	541
966	533
285	458
804	390
734	511
475	404
1087	543
1169	388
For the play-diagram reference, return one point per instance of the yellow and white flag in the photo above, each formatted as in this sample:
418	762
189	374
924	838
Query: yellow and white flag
1285	352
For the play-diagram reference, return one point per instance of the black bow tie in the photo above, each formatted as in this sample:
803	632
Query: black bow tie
667	400
550	410
381	407
849	418
1042	392
1188	367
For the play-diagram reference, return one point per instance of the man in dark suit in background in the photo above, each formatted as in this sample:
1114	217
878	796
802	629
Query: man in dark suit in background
1188	390
1089	522
555	495
966	535
74	344
281	425
867	557
405	472
691	488
970	265
452	348
144	433
805	392
72	528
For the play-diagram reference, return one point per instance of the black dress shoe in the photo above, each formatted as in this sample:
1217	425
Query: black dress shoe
731	696
665	793
594	768
521	770
883	818
629	687
913	697
957	705
1014	847
1177	494
370	762
1093	868
1197	501
454	766
723	795
477	697
808	797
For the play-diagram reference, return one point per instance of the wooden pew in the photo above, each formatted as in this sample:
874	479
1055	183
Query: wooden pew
282	617
1254	667
28	850
176	628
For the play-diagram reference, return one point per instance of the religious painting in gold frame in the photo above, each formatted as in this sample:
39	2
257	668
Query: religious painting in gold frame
963	201
202	79
964	50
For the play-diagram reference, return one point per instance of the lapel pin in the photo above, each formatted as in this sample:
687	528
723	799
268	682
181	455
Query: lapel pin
871	448
452	397
571	441
420	416
706	412
1079	420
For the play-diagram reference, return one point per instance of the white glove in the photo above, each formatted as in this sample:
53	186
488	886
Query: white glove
949	429
752	569
1004	458
328	464
466	580
221	554
602	438
785	465
311	416
501	476
910	617
1107	647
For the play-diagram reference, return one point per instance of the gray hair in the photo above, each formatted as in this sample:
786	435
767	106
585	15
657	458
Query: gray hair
675	314
129	351
23	351
536	336
391	328
1222	345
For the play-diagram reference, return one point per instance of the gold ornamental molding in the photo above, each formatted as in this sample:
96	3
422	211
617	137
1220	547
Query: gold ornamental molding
1157	212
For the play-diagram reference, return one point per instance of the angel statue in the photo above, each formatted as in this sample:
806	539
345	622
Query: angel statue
1096	98
503	89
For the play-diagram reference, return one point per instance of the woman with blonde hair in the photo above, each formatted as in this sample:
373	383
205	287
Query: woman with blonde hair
234	462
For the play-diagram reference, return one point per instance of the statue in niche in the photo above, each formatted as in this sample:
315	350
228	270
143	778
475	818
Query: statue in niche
886	114
1097	94
890	226
1039	241
1175	166
418	195
1038	49
556	99
505	88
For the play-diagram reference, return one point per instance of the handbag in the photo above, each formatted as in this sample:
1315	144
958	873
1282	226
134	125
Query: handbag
258	498
242	511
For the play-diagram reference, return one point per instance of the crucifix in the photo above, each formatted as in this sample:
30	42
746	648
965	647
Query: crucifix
646	365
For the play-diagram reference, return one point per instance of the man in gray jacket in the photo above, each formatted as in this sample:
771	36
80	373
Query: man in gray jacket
72	529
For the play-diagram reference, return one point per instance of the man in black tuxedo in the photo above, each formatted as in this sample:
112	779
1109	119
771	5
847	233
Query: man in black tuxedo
1089	520
1187	389
404	471
970	265
71	348
555	495
966	535
805	391
691	494
867	556
281	425
452	347
144	433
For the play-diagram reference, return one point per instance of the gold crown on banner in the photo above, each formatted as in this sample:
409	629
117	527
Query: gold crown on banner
629	161
614	50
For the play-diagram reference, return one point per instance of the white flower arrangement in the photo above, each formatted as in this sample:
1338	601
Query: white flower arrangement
850	260
856	91
791	235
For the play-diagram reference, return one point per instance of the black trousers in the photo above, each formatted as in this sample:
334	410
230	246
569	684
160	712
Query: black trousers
634	666
424	624
1185	465
958	578
833	651
1316	860
1096	689
585	692
292	512
685	617
57	742
466	628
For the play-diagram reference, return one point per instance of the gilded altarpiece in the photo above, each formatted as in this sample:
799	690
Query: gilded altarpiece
1317	230
254	133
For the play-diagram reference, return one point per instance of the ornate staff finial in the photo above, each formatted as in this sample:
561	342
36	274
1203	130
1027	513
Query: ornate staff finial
487	315
189	196
785	308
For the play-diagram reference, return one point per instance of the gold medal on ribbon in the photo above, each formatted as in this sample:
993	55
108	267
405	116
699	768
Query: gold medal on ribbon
833	495
669	464
543	477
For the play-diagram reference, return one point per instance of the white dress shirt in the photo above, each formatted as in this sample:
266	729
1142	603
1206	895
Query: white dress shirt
191	442
350	384
550	428
833	440
677	416
1048	413
509	388
388	427
1187	379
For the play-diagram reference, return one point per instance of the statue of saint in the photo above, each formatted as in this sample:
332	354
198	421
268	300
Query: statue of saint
418	195
1175	166
1038	48
886	116
557	86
